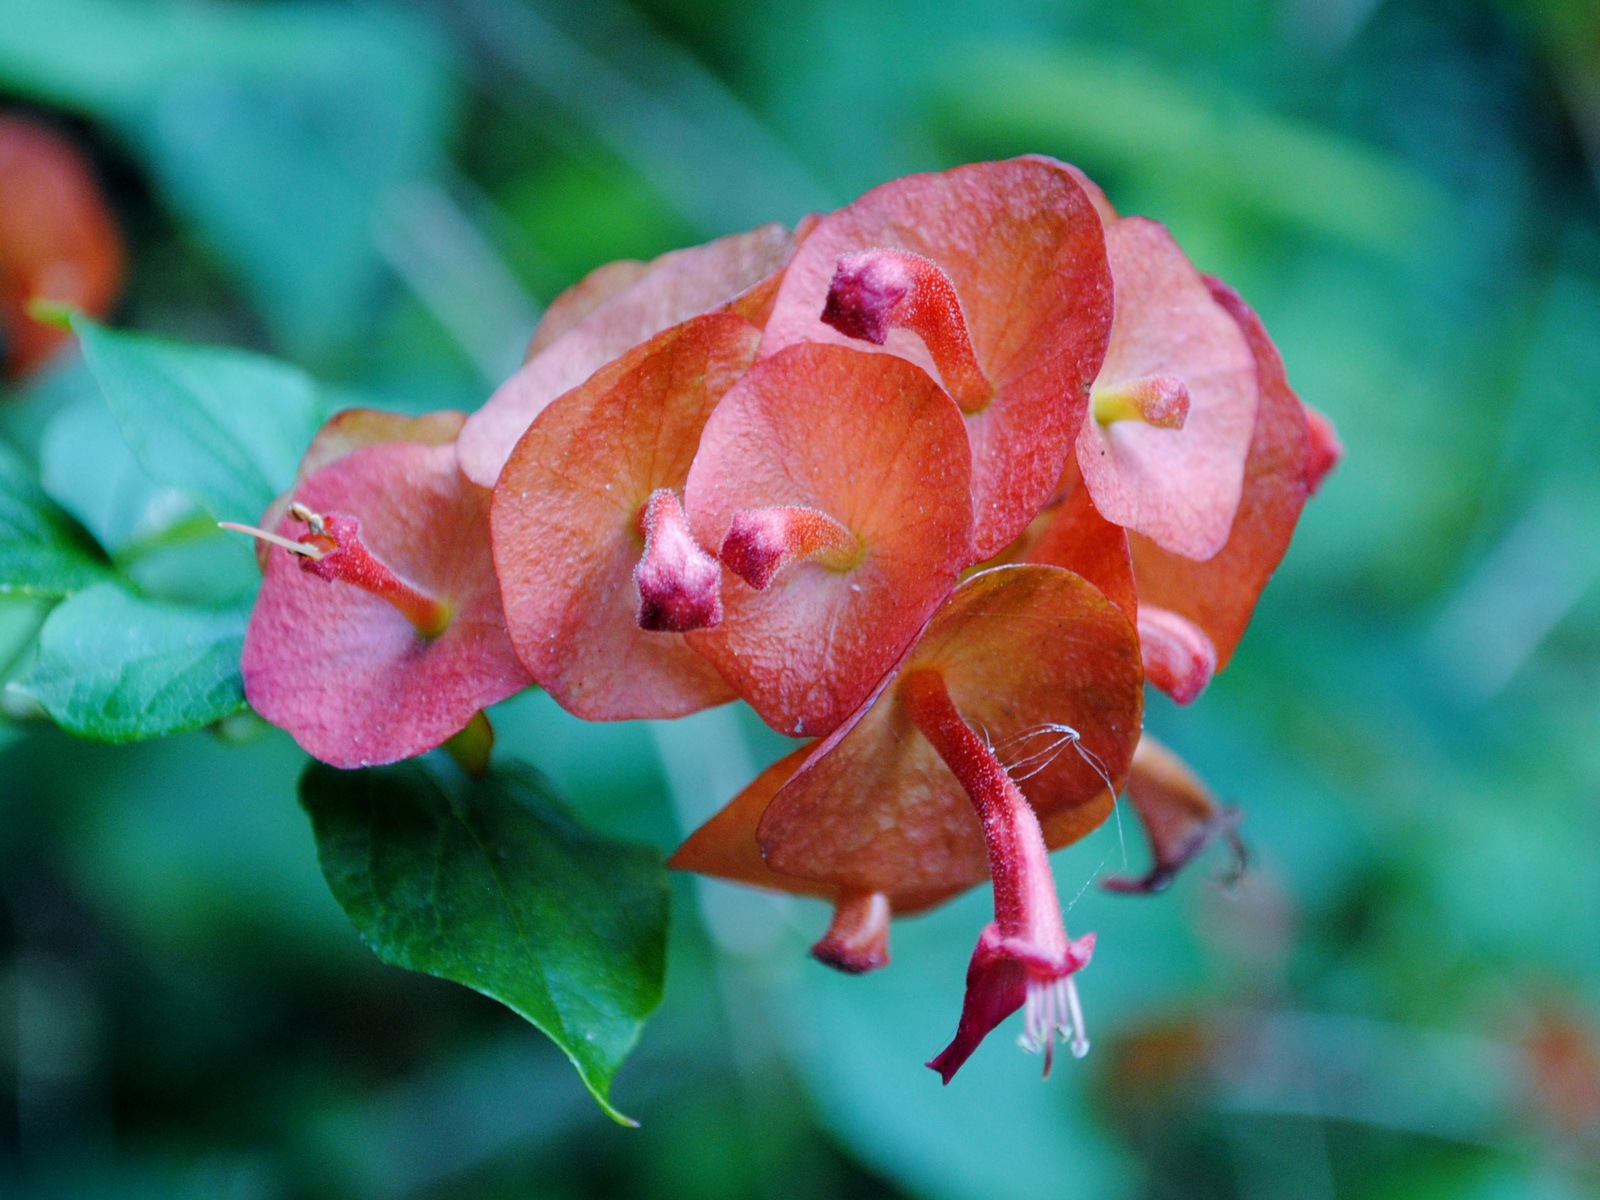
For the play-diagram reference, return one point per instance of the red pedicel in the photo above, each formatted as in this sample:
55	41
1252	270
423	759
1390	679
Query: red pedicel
612	310
402	641
58	242
873	448
1016	306
1179	814
570	536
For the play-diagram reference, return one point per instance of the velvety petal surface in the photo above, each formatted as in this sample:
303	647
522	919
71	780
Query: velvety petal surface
615	313
566	523
1220	594
342	670
872	442
351	429
1029	653
1022	244
1178	487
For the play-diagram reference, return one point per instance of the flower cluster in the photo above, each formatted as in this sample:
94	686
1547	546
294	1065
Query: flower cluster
939	480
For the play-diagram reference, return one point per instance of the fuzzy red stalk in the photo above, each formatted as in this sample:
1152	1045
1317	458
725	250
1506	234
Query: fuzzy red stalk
874	291
1023	956
680	585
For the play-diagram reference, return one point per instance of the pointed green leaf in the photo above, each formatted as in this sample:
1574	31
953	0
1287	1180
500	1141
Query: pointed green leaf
225	427
498	889
117	667
43	552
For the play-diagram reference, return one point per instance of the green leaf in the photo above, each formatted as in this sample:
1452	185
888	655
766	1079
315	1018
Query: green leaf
498	889
225	427
117	667
276	131
43	552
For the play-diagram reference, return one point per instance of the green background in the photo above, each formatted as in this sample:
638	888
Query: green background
385	193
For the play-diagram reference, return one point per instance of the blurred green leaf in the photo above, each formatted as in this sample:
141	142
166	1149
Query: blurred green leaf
1118	112
276	129
86	467
116	667
498	889
225	427
42	551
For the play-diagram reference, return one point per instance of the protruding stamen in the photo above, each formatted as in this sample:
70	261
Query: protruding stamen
332	549
1159	400
858	939
1178	656
762	541
680	585
1324	451
874	291
303	549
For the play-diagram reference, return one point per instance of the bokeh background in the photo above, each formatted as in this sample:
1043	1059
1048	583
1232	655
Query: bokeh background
1402	999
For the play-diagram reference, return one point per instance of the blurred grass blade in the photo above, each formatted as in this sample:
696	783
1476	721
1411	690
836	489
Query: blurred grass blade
1114	112
497	889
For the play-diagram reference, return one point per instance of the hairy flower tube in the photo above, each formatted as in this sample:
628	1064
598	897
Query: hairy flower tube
900	803
834	484
993	277
600	572
378	632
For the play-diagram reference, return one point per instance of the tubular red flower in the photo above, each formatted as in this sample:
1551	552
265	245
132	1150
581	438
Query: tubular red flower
857	941
1178	656
875	291
679	583
761	542
1179	814
1024	955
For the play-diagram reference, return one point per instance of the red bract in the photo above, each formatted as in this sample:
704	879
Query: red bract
611	311
836	483
1218	596
58	242
994	278
1174	403
599	571
400	641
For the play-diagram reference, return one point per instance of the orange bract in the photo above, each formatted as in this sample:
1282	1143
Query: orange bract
58	242
1178	487
609	312
1036	659
1023	247
566	523
875	445
1220	594
345	671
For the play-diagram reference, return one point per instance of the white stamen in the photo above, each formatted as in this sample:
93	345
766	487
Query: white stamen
1052	1009
306	516
300	548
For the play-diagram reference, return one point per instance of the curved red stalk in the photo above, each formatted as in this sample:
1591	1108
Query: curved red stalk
874	291
858	939
1023	956
1179	658
762	541
1159	400
679	583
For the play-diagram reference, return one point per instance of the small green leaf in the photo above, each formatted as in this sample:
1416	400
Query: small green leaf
498	889
43	552
117	667
225	427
